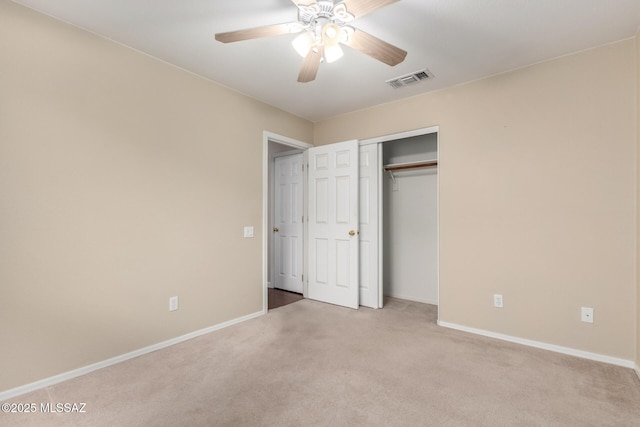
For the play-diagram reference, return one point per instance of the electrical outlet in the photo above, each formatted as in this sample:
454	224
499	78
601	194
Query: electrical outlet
586	314
173	303
248	232
497	301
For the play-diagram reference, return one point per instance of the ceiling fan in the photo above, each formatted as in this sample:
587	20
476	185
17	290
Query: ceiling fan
323	27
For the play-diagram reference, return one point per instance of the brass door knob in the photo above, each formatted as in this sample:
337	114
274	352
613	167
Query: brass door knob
276	229
352	233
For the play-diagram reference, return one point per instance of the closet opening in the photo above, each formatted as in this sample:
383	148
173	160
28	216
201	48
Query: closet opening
409	225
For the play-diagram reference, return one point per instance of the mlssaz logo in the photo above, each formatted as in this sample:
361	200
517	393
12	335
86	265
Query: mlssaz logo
78	408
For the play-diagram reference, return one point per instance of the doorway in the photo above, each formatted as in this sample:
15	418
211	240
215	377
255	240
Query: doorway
405	264
279	147
410	218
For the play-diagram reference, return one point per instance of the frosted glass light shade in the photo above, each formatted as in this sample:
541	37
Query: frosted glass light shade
332	53
303	43
331	34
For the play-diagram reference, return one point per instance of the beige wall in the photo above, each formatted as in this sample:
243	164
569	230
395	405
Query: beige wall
537	196
123	181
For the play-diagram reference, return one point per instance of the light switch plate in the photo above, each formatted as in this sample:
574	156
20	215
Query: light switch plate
248	232
498	301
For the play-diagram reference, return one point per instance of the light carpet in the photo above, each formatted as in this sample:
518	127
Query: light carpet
314	364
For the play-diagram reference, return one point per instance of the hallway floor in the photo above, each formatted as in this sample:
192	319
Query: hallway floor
278	298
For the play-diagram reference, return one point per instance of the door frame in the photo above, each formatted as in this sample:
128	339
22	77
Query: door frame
266	169
392	137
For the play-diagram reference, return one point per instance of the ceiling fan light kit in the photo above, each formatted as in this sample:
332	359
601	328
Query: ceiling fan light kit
323	27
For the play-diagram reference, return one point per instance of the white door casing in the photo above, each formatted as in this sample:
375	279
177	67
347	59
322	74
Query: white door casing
288	223
333	224
368	227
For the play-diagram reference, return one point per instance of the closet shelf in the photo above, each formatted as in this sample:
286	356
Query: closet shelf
414	165
394	167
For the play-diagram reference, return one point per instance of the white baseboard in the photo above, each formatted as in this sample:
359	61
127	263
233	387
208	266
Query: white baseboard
551	347
11	393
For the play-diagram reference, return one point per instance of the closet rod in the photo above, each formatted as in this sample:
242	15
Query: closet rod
402	166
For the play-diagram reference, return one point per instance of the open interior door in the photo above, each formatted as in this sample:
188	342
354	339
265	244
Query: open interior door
288	230
333	224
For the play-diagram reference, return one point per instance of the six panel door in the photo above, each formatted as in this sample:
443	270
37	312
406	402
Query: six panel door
333	224
288	225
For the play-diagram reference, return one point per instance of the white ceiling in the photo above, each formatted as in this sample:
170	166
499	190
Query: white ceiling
457	40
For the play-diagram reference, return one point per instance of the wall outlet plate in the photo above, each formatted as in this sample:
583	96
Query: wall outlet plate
586	314
248	232
173	303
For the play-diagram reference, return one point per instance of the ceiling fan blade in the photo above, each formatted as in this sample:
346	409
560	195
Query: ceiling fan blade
360	8
310	65
376	48
259	32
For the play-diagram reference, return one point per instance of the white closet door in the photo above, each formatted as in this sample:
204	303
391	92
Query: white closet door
288	225
369	171
333	224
